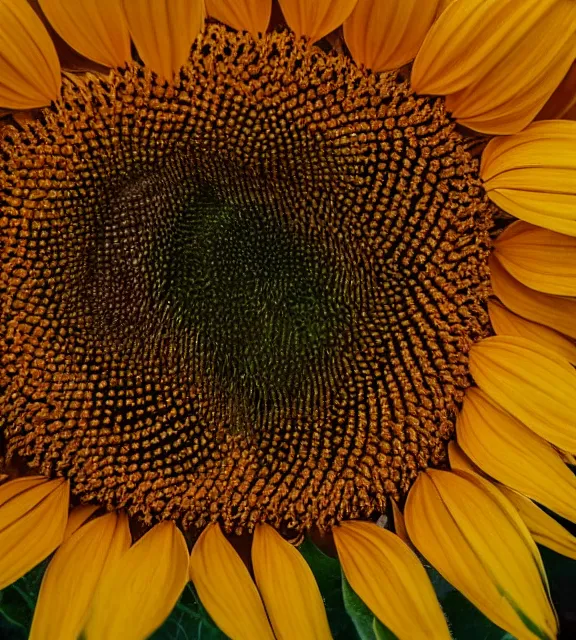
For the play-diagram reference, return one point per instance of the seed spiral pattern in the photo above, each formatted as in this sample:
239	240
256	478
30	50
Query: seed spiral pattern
244	297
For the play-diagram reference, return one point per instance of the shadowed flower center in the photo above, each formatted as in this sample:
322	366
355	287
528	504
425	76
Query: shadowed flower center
246	297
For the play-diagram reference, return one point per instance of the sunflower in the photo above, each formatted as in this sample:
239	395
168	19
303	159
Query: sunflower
271	273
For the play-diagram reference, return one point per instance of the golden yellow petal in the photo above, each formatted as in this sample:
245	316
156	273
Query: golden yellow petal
283	576
29	67
72	576
515	456
532	174
399	524
497	61
481	546
163	31
78	516
532	383
315	19
563	100
506	323
244	15
226	588
556	312
140	587
32	524
387	35
15	487
387	575
543	528
95	28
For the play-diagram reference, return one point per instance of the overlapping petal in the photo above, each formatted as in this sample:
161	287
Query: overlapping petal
497	61
314	20
532	174
283	576
478	542
387	575
386	35
226	588
248	15
164	30
95	28
29	66
140	587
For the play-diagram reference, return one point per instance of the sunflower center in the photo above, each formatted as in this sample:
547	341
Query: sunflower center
244	297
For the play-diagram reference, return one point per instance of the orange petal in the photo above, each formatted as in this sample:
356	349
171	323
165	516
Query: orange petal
512	454
539	258
29	67
95	28
506	323
543	528
78	516
477	541
315	19
399	524
387	575
387	35
163	31
226	588
72	576
552	311
532	174
531	382
32	524
497	61
140	587
243	15
282	576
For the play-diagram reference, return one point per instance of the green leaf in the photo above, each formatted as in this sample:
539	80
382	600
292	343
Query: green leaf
362	617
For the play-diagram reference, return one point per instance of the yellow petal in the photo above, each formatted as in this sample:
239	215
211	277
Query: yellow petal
95	28
512	454
532	383
532	174
480	545
72	575
283	576
387	35
226	588
497	61
163	31
243	15
78	516
15	487
539	258
32	524
506	323
543	528
552	311
387	575
140	587
315	19
29	67
399	524
563	100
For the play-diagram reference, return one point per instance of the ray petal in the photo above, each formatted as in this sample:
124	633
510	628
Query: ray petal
531	382
506	323
477	541
532	174
543	528
72	576
283	576
247	15
226	588
512	454
163	31
314	20
387	575
556	312
95	28
387	35
140	587
77	517
497	61
32	524
399	524
29	66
